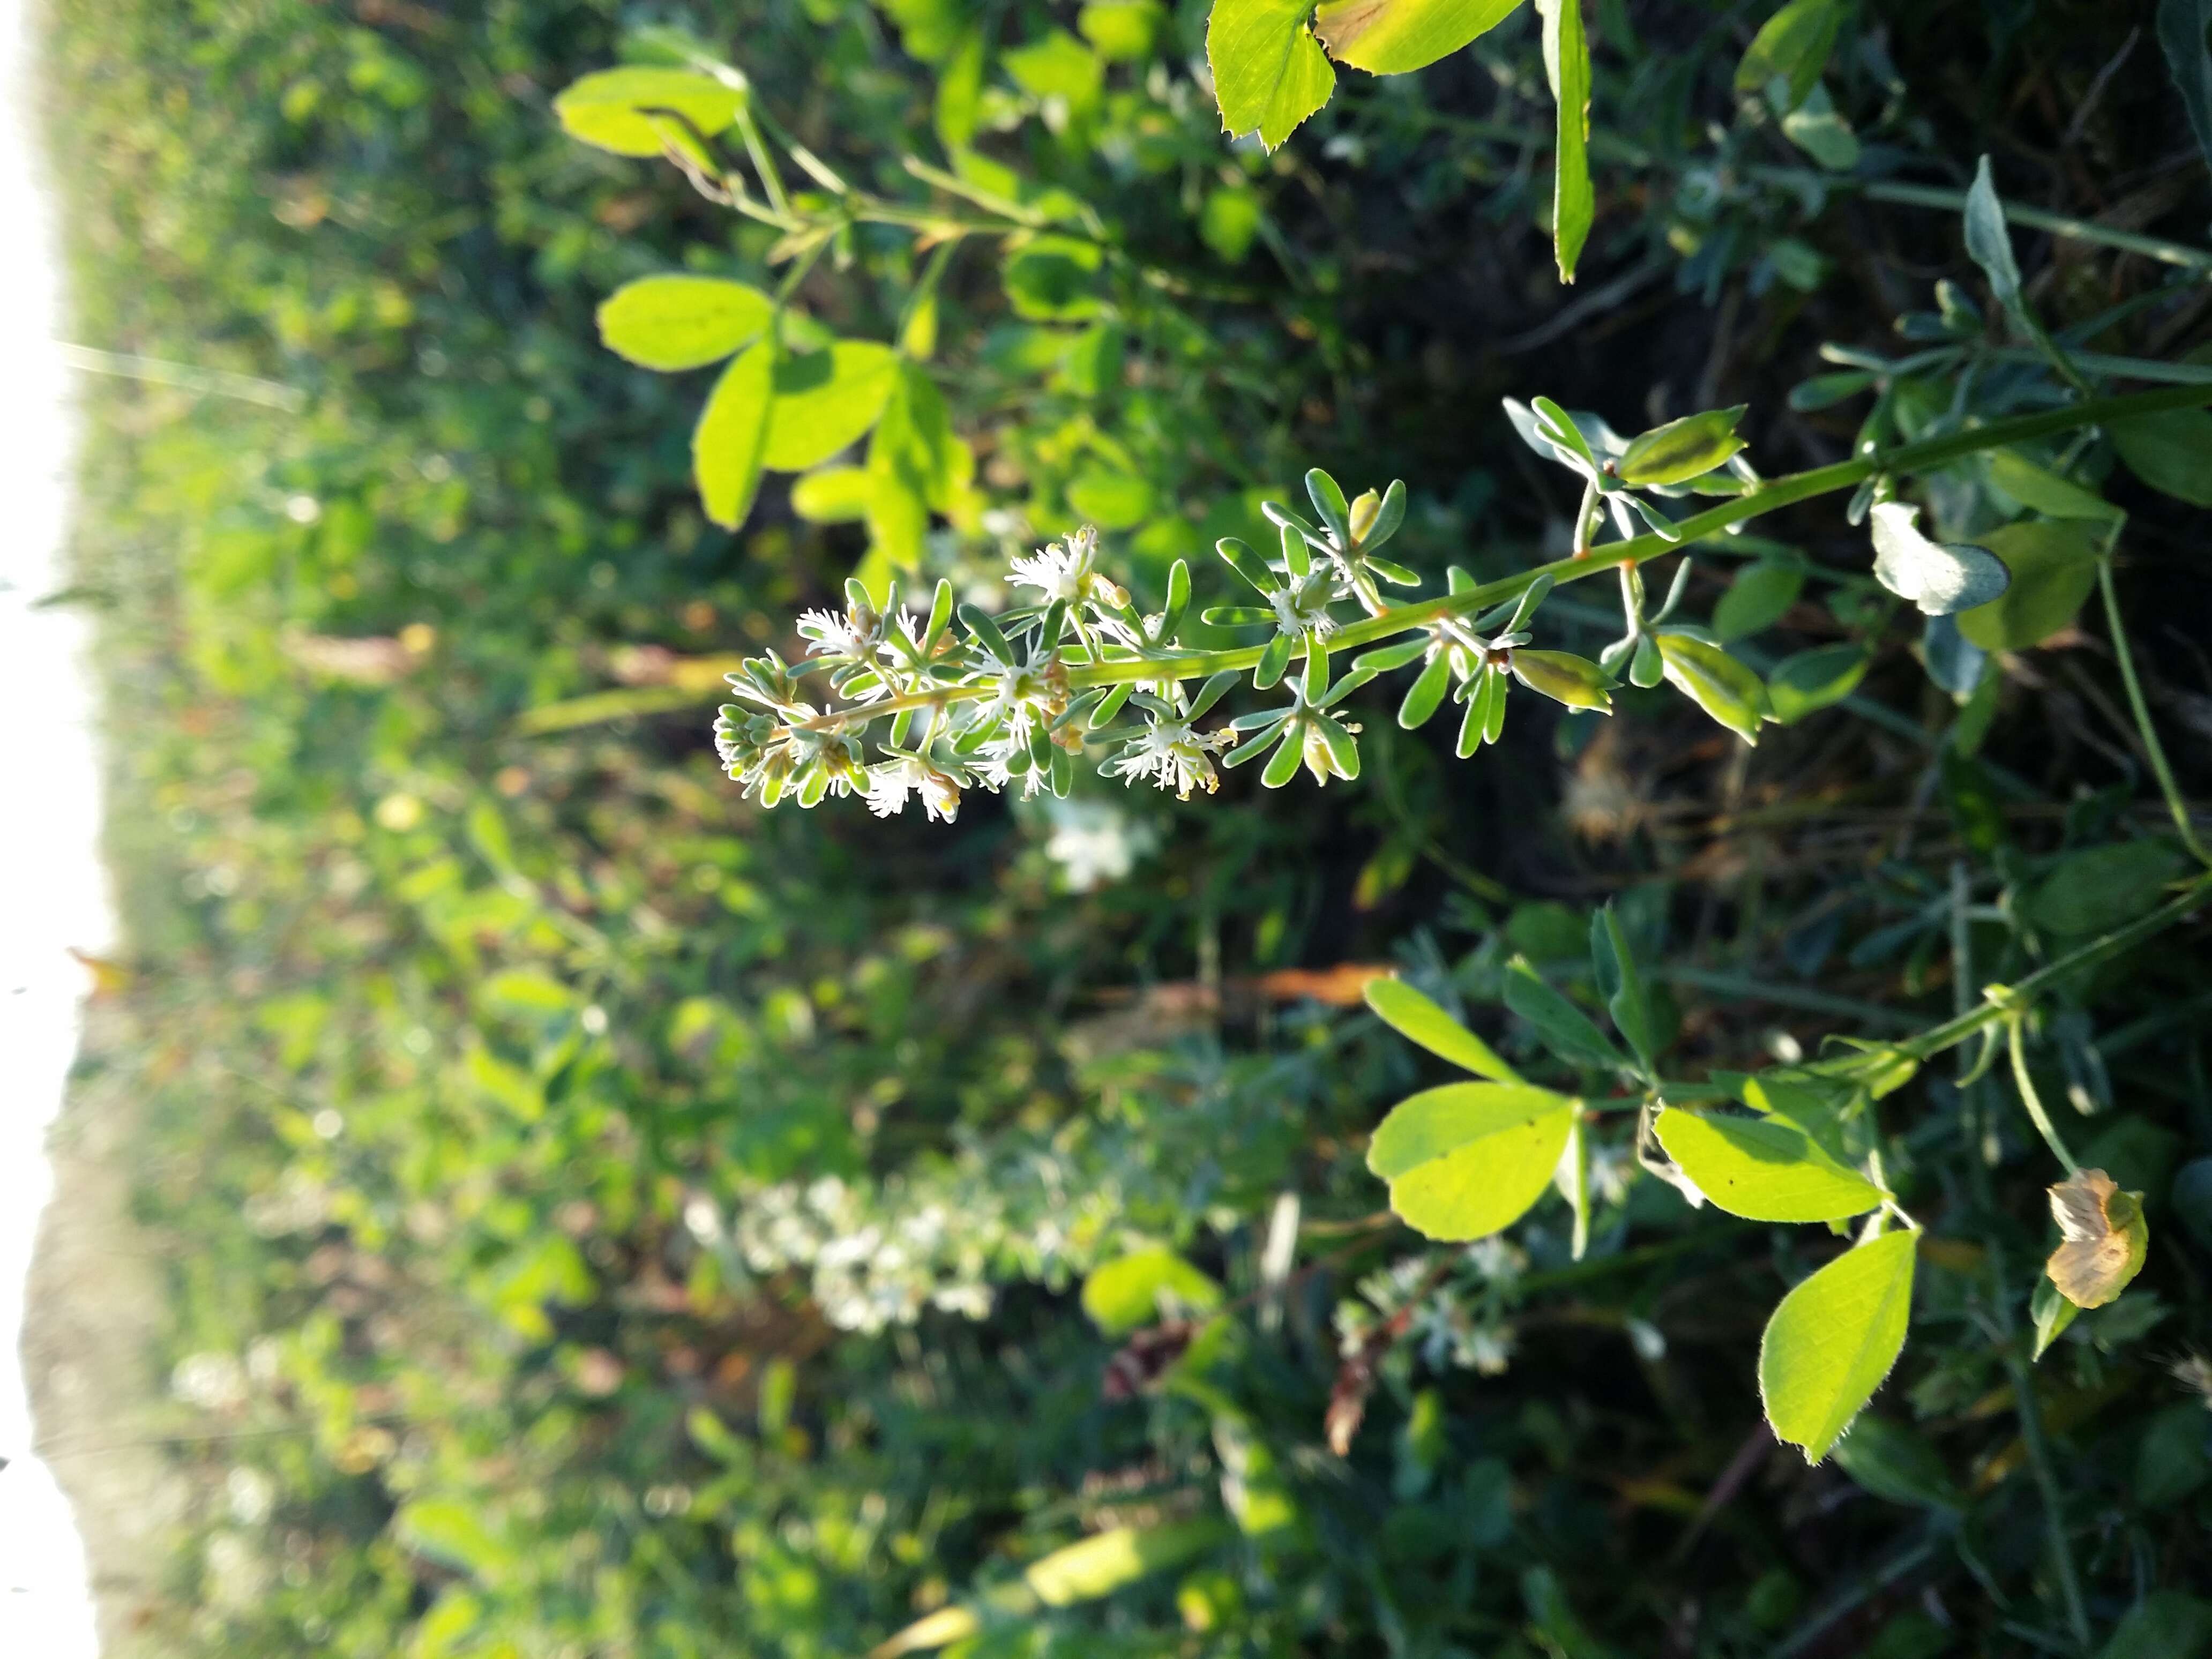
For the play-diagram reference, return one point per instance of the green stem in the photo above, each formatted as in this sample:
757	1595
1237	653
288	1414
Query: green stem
1953	1032
2175	802
2029	1097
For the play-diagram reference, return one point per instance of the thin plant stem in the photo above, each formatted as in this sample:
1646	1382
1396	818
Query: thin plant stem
2175	802
2029	1097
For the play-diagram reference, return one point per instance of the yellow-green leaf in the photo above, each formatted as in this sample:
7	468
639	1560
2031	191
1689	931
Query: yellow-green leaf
1563	677
1793	43
1682	449
1716	682
1419	1020
608	109
672	323
1142	1286
1763	1169
1467	1159
825	400
2053	566
1567	65
1269	72
727	447
1392	37
836	495
1832	1340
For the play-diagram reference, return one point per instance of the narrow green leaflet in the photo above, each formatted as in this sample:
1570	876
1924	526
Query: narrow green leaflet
1941	578
727	447
1622	984
2182	25
1811	680
2051	1312
1716	682
2039	488
1757	598
1682	449
1419	1020
672	323
1564	1029
1762	1168
2170	451
2052	564
1793	45
1467	1159
1567	65
609	109
1832	1340
1269	72
1140	1287
1391	37
825	400
1563	677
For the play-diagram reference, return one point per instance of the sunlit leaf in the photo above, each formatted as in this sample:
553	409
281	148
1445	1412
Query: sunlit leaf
1144	1285
1392	37
1833	1339
825	400
1682	449
608	109
1269	72
1941	578
1762	1168
1716	682
1419	1020
671	322
1567	66
727	447
1465	1160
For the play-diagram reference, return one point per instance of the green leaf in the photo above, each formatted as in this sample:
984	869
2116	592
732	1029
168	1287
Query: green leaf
1563	677
1563	1028
2043	490
672	323
1896	1461
2051	1312
836	495
1832	1340
1941	578
1567	66
2052	564
1794	45
1141	1287
1122	31
1393	37
1467	1159
727	445
1099	1565
1716	682
1620	982
2090	892
605	110
1682	449
1269	72
911	467
454	1533
1763	1169
1757	598
1419	1020
1057	65
1053	279
2181	30
2170	451
1819	128
2164	1625
1228	221
1110	498
825	400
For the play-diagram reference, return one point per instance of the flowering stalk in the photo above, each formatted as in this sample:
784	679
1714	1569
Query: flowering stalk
982	711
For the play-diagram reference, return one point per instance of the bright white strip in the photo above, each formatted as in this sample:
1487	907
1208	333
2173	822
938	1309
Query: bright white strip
52	888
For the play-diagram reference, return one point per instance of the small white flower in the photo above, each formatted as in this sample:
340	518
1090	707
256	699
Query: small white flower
997	774
1496	1258
1303	607
889	784
831	634
1173	755
1068	570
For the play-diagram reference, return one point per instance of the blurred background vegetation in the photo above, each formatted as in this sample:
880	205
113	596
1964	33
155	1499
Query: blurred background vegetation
599	1217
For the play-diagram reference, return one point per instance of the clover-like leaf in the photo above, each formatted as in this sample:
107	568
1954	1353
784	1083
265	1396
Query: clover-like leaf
1833	1339
825	400
677	322
1392	37
1465	1160
616	109
1762	1168
1419	1020
727	448
1144	1285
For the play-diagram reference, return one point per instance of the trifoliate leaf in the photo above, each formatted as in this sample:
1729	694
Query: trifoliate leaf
1833	1339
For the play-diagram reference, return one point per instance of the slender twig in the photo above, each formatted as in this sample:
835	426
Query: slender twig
2028	1096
